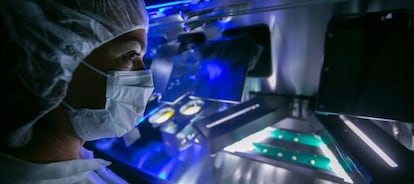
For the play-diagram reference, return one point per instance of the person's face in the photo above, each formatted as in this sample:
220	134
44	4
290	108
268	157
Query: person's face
125	53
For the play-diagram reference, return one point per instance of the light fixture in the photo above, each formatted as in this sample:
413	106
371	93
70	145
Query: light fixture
234	115
369	142
172	3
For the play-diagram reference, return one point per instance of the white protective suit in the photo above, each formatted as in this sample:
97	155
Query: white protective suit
48	39
42	42
87	170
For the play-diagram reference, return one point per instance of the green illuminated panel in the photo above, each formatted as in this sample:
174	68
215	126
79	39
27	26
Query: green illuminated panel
308	159
306	139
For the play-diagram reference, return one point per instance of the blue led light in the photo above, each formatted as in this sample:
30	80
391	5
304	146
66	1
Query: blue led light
167	4
152	112
162	175
140	120
161	10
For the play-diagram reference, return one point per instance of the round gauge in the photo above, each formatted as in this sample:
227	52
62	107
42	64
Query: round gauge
191	107
162	116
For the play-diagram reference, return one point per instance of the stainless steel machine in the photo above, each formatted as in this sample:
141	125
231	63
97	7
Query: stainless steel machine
250	91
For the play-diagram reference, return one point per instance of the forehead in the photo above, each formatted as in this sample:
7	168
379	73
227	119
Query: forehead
134	37
138	35
110	51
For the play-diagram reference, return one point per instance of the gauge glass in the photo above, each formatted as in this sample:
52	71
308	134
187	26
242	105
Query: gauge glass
162	116
192	107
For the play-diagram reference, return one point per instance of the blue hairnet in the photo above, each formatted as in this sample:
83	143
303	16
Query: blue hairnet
42	43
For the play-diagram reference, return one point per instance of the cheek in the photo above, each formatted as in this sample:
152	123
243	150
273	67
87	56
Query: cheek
87	89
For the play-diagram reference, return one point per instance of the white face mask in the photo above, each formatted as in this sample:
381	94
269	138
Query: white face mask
127	93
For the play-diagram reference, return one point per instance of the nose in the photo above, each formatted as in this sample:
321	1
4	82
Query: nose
139	64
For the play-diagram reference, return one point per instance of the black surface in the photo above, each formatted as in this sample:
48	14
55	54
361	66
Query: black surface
261	34
368	66
364	157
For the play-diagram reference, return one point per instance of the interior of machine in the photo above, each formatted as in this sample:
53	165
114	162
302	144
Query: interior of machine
251	91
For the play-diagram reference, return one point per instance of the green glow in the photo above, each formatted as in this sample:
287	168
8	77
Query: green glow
308	159
307	139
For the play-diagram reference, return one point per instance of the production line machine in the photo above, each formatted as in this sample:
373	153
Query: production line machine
231	106
260	137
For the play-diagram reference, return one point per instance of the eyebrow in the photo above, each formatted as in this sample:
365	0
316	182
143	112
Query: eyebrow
132	39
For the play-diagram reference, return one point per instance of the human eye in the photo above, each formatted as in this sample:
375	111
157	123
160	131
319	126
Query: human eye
130	60
133	56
